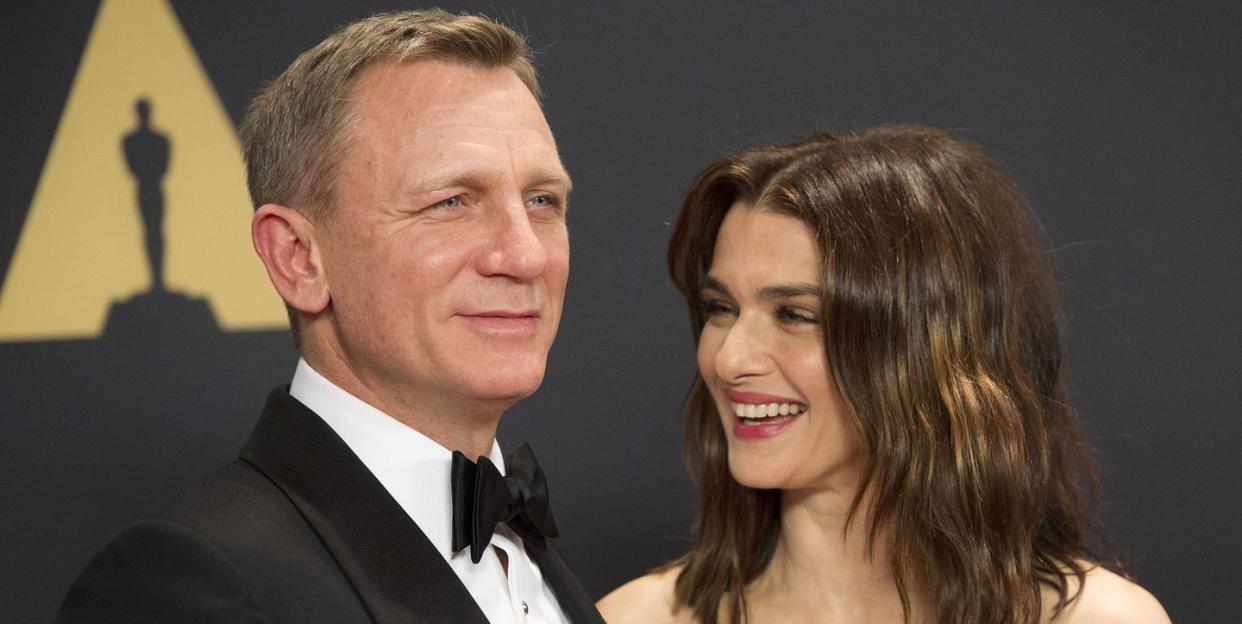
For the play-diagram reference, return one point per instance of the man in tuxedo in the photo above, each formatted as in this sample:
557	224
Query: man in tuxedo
410	210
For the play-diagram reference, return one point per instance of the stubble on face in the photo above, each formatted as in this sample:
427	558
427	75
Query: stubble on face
447	257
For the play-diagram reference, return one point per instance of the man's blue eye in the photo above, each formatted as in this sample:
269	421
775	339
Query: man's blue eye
451	202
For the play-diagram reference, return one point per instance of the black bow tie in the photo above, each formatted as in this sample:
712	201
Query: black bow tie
482	497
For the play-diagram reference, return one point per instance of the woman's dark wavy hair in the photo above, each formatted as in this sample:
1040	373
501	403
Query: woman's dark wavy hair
943	332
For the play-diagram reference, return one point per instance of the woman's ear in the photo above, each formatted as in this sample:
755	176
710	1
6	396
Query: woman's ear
286	242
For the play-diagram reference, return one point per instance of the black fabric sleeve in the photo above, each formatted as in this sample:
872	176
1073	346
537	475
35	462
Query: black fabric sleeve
160	571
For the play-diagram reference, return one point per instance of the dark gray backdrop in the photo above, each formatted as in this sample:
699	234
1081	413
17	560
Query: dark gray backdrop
1119	119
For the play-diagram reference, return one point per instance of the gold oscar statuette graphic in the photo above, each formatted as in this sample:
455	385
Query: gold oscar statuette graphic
142	195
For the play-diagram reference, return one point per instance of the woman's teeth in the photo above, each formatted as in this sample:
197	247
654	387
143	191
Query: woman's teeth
767	410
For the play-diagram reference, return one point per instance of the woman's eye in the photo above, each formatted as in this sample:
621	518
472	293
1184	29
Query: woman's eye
795	315
715	307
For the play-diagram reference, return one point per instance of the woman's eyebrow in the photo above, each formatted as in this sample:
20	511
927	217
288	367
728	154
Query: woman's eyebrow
788	291
771	293
711	283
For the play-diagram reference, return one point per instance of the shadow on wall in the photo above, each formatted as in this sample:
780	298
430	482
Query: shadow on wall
160	310
98	430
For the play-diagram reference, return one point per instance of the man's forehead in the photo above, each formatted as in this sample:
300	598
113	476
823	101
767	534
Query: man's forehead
430	120
443	99
472	118
449	136
456	112
433	87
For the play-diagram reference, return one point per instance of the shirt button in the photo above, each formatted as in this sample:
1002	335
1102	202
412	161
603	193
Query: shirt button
525	609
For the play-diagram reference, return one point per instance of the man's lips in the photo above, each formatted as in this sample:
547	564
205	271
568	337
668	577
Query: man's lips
502	313
502	322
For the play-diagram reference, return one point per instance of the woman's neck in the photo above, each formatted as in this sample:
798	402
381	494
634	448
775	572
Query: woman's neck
823	566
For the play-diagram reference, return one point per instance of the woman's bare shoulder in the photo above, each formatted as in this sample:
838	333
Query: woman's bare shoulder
645	600
1107	598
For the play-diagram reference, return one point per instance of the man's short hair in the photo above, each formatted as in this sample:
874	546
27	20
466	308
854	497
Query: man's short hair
296	130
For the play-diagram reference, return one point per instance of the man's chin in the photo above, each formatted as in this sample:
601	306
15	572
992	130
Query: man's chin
509	388
513	392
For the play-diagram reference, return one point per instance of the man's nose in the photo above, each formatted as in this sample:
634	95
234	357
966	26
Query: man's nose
744	353
515	249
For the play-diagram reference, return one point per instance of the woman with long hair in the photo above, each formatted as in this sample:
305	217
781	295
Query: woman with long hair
880	424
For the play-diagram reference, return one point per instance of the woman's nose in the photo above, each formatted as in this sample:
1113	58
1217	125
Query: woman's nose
743	353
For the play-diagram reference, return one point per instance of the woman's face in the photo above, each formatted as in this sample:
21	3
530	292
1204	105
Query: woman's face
761	354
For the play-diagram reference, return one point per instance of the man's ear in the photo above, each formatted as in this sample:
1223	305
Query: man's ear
286	242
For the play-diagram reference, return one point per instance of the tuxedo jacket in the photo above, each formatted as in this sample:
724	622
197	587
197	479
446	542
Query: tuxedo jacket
295	530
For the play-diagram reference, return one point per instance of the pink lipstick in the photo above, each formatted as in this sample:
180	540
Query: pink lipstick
759	416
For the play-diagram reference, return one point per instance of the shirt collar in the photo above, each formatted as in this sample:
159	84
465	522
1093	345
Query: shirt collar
413	468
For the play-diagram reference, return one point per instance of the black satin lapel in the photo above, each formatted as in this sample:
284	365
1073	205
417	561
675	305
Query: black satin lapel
573	598
390	562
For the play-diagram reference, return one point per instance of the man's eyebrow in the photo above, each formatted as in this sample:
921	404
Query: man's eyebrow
446	178
552	176
471	179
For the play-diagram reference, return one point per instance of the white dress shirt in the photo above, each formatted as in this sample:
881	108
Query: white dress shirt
415	471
